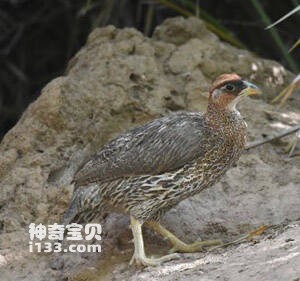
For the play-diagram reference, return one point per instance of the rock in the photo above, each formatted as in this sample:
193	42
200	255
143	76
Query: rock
269	259
118	80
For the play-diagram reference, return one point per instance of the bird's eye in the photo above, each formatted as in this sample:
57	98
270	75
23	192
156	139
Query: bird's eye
229	87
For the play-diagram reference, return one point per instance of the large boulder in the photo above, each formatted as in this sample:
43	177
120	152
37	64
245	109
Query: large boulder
118	80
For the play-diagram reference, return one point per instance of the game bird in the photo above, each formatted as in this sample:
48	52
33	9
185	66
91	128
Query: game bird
151	168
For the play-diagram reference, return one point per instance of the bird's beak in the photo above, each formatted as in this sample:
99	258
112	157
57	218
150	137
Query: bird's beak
250	89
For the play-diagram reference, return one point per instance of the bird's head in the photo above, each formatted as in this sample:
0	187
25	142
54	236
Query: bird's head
229	89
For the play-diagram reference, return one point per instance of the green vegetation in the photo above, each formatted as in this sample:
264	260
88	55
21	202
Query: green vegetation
38	38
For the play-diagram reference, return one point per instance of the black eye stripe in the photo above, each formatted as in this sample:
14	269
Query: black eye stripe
234	86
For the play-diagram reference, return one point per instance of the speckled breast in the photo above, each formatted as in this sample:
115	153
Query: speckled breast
150	196
194	177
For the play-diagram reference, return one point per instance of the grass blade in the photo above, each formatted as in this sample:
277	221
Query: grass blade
211	23
297	9
277	39
295	45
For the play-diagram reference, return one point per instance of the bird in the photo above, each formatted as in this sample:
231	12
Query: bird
149	169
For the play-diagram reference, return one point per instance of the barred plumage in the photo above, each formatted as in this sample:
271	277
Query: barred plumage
151	168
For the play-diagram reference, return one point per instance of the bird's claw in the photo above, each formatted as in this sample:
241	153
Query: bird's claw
197	246
145	261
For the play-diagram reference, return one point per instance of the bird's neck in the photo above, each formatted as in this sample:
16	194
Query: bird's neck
230	129
222	117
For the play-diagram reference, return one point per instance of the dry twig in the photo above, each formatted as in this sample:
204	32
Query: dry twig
272	138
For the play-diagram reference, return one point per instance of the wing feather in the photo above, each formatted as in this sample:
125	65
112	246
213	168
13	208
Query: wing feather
159	146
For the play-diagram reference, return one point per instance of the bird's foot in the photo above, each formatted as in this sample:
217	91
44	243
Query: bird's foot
197	246
180	246
144	261
139	256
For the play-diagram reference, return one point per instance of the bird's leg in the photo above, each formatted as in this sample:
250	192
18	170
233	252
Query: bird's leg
180	246
139	255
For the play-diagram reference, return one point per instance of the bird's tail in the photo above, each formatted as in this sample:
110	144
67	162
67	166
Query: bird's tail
85	205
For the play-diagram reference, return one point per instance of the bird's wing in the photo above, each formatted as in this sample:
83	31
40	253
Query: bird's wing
159	146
